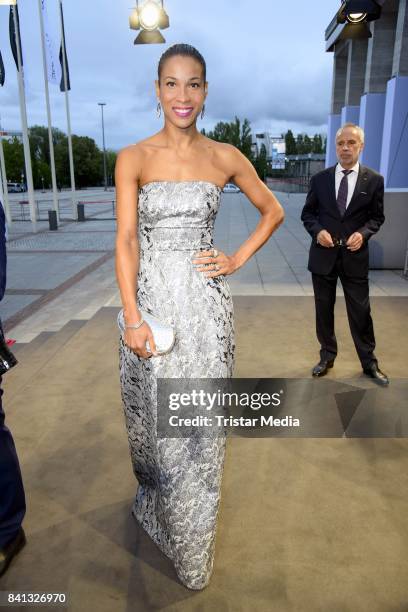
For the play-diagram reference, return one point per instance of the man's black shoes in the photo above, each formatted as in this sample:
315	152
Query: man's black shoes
11	550
374	372
321	368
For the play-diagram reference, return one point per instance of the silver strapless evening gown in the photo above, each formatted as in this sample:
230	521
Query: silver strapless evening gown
179	479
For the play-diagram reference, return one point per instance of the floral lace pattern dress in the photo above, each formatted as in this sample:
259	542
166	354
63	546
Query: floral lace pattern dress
179	480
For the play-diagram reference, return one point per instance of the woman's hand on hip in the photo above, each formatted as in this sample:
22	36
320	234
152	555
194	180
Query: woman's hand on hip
214	263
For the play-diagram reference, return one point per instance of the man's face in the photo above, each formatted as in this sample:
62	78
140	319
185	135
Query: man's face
348	147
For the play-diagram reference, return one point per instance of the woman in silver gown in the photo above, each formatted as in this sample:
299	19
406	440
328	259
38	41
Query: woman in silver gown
175	179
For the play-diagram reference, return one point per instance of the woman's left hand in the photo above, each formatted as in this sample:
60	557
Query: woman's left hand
214	263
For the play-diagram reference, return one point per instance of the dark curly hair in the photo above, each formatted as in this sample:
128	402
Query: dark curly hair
181	49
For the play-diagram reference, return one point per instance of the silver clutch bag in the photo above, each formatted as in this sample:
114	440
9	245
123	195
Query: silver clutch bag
163	333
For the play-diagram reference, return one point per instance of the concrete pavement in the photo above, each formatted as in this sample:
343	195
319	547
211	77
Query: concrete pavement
54	277
305	524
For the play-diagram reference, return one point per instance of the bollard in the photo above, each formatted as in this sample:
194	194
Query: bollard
81	212
52	220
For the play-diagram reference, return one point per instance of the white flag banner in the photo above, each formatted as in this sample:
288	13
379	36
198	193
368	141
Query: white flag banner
51	50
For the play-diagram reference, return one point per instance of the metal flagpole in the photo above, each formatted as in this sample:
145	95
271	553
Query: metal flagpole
3	185
47	97
105	176
23	111
71	157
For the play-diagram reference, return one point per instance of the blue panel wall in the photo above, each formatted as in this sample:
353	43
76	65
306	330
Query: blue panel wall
372	109
333	125
350	114
394	156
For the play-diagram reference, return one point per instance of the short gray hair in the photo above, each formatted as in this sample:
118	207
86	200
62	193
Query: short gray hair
354	126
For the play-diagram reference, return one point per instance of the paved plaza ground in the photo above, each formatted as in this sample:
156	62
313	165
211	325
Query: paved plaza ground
305	524
54	277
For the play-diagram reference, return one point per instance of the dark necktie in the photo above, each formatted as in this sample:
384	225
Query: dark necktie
343	192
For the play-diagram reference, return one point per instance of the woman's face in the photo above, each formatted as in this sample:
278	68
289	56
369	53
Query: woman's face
182	90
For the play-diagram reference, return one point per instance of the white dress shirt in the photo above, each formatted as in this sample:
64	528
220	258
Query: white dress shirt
351	180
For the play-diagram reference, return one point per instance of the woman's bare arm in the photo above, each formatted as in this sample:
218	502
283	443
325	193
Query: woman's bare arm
242	173
127	244
127	171
272	214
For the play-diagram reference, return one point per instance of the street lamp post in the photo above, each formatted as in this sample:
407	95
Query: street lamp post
105	178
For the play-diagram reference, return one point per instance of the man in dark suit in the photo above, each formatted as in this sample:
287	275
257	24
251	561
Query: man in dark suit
12	499
343	209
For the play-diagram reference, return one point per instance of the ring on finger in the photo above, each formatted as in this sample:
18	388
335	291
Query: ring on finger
215	253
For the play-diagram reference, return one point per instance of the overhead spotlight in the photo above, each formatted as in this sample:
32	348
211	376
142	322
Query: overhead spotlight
148	37
163	19
356	17
355	31
358	11
356	14
150	17
134	22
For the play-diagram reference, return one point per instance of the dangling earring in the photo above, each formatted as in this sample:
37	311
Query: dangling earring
202	111
158	109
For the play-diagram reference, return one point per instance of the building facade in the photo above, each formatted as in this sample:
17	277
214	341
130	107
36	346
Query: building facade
305	165
10	134
370	88
275	147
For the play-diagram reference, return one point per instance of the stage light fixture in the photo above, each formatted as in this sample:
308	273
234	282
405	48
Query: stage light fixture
356	14
150	17
134	21
358	11
148	37
356	17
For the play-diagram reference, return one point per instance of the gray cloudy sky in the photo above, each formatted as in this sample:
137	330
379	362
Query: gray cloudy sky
266	61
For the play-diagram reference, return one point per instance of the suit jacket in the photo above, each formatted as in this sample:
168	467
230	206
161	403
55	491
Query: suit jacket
364	214
3	254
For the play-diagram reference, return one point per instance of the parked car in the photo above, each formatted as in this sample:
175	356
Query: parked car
15	187
231	188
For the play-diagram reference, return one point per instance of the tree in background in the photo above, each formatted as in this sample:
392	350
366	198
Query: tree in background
234	133
14	159
303	144
40	156
239	135
62	162
110	165
261	164
317	145
88	159
290	143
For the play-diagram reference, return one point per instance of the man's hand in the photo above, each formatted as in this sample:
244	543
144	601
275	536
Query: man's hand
355	241
324	239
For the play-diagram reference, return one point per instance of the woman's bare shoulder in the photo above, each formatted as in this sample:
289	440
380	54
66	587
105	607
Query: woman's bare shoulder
129	153
225	155
142	146
223	150
134	156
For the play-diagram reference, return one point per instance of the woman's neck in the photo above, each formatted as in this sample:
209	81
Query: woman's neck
180	139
